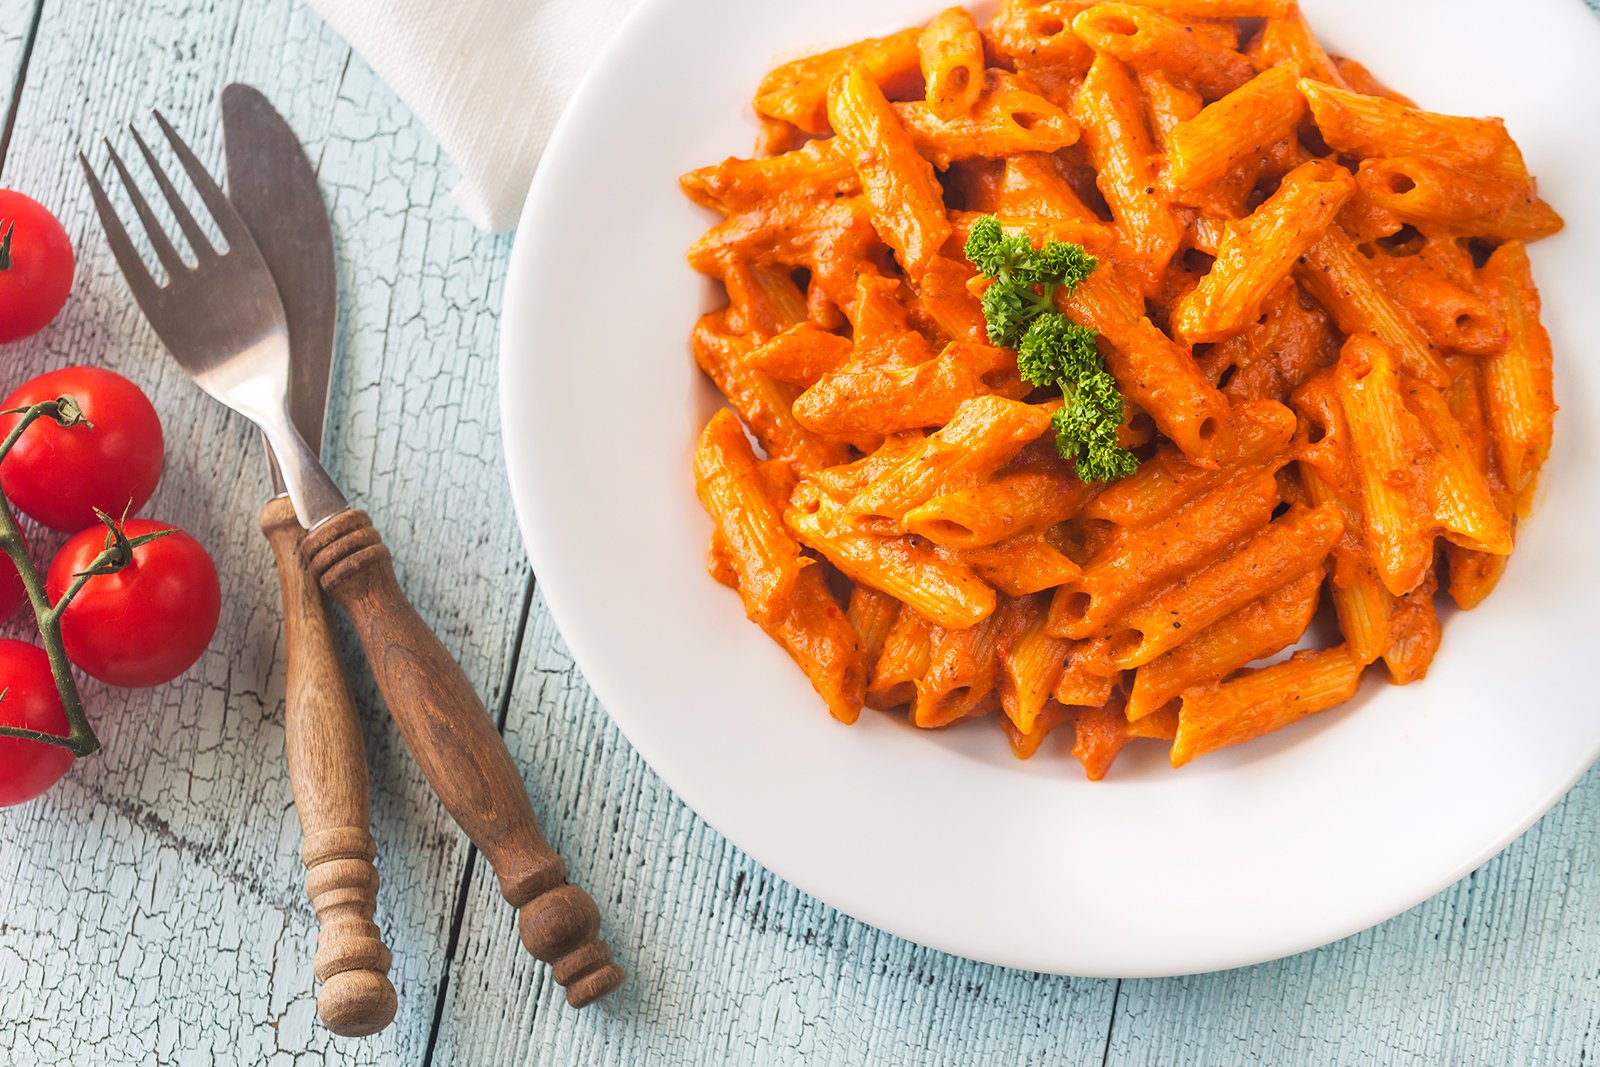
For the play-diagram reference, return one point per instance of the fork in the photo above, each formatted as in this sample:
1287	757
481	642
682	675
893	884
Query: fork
223	322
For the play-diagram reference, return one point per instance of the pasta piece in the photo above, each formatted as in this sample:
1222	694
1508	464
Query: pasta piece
1219	9
1167	104
1030	665
1339	277
943	293
1035	38
1109	110
963	667
1287	39
1149	41
1101	735
1464	507
992	511
1141	559
902	662
797	92
1440	199
1327	477
1415	635
1366	126
1473	575
1087	678
765	560
1272	356
907	202
801	354
1518	382
1245	123
847	479
1288	548
818	638
872	614
944	590
985	433
1257	630
1032	186
1006	119
1153	371
1024	745
857	400
777	137
763	403
1021	564
1263	701
1166	482
1386	442
1452	318
952	63
1256	254
815	170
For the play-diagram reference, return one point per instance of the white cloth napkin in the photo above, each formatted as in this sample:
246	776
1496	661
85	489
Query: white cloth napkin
488	78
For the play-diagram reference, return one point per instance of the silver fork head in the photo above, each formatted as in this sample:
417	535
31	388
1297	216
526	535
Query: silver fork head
222	318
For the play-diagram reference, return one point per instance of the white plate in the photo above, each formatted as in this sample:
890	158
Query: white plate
942	837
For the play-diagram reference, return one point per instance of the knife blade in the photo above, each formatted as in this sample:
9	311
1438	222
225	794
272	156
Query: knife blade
273	187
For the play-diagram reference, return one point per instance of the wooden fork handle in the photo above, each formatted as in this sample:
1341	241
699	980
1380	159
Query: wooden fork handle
328	773
462	754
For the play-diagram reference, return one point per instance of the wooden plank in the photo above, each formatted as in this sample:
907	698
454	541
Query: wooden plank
1503	968
728	963
152	909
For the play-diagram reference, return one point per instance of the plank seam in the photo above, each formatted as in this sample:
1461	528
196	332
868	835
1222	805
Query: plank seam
22	78
464	889
1111	1023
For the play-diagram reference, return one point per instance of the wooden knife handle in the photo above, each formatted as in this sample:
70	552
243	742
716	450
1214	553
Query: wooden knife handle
462	754
328	773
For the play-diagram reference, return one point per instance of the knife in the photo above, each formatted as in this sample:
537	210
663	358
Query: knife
273	187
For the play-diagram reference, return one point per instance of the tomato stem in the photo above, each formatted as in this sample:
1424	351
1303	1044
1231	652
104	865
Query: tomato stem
79	739
5	244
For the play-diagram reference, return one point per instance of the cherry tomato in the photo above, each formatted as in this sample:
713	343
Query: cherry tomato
28	768
35	266
59	476
147	623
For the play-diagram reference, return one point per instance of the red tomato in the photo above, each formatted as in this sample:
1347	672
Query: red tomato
28	768
59	476
147	623
35	266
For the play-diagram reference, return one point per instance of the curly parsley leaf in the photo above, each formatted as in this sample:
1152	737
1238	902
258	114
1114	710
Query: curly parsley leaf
1052	350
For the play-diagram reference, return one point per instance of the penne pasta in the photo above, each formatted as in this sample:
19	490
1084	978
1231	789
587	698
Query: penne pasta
1263	701
1070	357
907	203
1246	122
1256	254
952	63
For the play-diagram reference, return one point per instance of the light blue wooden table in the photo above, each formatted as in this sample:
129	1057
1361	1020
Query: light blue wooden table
151	909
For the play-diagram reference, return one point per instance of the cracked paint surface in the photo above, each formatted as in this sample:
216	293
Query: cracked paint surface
152	908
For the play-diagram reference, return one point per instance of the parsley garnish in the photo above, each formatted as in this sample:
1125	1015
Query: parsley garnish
1052	350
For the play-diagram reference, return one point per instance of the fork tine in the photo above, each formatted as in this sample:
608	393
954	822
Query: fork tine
165	252
228	220
122	250
191	229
